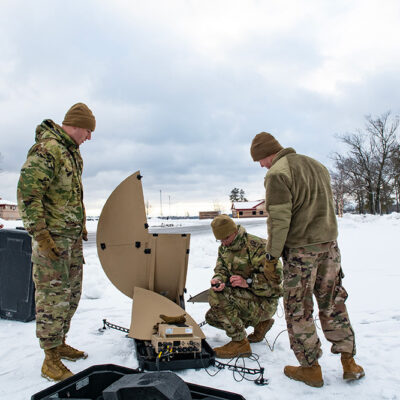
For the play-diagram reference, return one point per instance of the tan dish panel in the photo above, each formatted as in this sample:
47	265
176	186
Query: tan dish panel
122	236
129	255
171	265
146	310
123	217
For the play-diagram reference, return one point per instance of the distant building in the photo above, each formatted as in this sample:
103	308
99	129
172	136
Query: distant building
249	209
208	214
8	210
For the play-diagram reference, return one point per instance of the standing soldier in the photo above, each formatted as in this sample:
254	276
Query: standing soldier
240	294
302	228
50	199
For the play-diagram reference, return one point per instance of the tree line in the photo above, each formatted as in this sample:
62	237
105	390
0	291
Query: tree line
366	177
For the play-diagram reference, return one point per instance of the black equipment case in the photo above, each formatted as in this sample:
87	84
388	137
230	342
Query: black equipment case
148	359
17	291
90	383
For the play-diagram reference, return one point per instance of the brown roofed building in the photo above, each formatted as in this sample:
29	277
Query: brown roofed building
8	210
248	209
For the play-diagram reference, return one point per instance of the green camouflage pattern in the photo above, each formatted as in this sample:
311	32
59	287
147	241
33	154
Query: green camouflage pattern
245	256
58	289
49	193
315	269
50	197
234	309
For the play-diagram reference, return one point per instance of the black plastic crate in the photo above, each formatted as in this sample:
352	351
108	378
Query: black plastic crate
17	290
149	361
87	384
90	383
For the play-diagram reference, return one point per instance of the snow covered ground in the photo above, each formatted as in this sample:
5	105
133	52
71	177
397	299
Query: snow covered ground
369	247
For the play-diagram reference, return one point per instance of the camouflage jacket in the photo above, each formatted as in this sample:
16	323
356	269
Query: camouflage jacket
246	257
50	195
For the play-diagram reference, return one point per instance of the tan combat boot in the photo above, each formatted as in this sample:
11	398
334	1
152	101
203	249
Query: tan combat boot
311	376
53	369
69	353
351	371
234	349
260	330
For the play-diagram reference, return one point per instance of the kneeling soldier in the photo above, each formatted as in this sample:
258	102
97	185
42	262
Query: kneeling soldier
241	295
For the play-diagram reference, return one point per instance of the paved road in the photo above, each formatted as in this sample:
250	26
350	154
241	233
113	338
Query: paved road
193	229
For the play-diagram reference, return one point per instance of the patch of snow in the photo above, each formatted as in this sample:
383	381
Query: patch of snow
367	244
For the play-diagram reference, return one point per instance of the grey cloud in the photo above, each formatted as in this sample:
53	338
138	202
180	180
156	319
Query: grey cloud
185	120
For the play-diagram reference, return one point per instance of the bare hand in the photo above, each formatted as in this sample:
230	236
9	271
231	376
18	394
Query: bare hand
238	281
219	288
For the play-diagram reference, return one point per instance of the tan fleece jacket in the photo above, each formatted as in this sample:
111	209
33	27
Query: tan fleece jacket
299	203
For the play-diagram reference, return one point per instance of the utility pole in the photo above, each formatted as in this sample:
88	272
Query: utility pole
160	204
169	201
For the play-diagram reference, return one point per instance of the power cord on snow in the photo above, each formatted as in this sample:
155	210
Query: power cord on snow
282	313
284	330
240	371
276	338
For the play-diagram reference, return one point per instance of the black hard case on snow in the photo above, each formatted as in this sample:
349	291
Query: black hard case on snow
90	383
17	291
149	361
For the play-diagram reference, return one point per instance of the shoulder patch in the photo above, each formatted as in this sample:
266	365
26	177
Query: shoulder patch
256	242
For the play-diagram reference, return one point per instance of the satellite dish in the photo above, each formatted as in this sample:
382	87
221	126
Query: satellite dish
131	256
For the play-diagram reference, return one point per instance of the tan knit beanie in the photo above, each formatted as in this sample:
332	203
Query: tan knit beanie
223	226
264	145
80	116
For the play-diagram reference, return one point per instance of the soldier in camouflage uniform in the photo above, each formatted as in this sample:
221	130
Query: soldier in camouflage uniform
302	228
50	200
241	295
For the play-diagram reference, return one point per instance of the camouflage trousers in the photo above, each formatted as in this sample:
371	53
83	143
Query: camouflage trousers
315	270
58	290
234	309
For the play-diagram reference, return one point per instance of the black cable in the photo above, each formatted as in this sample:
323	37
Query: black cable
107	324
242	371
284	330
276	338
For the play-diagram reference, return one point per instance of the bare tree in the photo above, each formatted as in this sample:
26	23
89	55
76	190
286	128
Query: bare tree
368	166
352	184
338	189
395	176
384	143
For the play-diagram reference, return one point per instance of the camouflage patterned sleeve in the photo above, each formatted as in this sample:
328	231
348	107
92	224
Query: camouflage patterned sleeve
261	286
220	271
36	176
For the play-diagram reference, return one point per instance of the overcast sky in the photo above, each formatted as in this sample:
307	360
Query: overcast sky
180	88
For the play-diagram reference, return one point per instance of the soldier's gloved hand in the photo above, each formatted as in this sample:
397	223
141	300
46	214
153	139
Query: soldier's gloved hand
47	247
84	234
217	285
270	268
